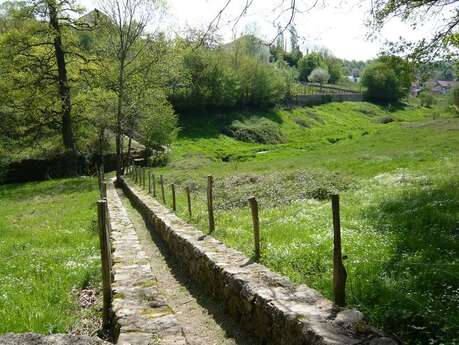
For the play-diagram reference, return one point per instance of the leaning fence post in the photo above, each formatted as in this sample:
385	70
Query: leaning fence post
188	199
174	205
161	182
105	258
154	185
256	226
339	271
210	206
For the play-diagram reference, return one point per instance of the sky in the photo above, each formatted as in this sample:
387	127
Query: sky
338	25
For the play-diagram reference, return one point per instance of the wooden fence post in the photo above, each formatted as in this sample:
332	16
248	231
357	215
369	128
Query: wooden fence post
339	271
143	178
154	186
106	262
174	205
188	199
149	183
102	172
256	226
99	181
103	190
210	203
135	173
161	182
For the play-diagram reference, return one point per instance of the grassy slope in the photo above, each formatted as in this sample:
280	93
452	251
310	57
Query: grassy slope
48	246
400	202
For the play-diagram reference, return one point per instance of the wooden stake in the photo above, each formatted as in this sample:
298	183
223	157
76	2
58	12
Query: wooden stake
339	271
188	199
103	190
210	201
105	258
174	205
143	178
149	183
256	226
161	182
154	186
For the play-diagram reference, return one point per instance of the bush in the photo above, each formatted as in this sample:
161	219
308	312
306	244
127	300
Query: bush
427	99
319	75
308	63
455	98
256	130
386	119
388	79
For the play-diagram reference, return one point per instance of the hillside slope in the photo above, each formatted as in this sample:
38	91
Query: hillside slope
399	188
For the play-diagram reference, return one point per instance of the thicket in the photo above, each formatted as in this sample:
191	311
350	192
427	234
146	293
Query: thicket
226	77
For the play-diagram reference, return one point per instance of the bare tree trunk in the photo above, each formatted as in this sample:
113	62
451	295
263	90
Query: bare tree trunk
64	91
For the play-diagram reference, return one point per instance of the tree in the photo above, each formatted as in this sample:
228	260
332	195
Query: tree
335	69
388	79
39	46
128	43
415	12
319	75
427	98
308	63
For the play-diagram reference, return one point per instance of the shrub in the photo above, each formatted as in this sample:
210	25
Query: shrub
455	98
427	99
319	75
308	63
256	130
388	79
386	119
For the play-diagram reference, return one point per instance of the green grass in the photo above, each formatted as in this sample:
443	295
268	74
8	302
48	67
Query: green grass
48	247
399	187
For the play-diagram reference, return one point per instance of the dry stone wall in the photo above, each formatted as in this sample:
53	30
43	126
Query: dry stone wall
266	303
140	315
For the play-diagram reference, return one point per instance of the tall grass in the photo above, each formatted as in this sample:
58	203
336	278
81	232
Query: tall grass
48	247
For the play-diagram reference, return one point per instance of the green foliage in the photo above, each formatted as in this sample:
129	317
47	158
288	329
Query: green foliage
427	98
387	79
455	98
308	63
223	79
335	70
49	247
256	130
158	126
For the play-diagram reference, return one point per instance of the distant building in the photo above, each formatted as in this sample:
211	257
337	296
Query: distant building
440	87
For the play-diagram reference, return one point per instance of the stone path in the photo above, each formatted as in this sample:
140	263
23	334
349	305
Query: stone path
203	319
141	315
267	304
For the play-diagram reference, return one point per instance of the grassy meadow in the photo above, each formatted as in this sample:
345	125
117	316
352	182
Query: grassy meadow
48	251
397	174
